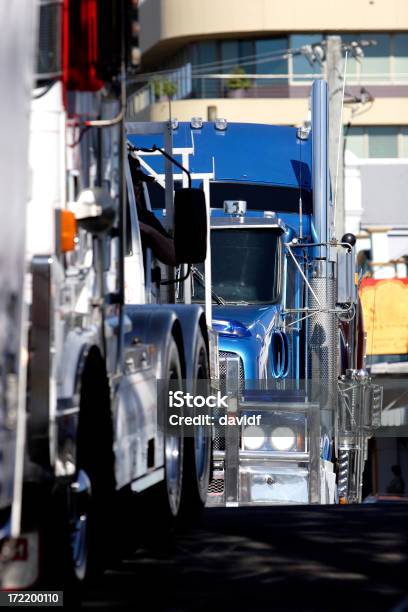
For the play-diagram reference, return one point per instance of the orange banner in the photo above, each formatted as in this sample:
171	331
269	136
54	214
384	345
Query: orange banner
385	307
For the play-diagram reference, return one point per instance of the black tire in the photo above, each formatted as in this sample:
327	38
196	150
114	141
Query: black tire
61	568
197	450
58	570
95	458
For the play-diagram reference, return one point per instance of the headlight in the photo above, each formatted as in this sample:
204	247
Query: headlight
283	438
253	437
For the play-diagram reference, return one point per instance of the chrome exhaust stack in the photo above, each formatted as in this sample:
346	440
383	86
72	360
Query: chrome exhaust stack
322	327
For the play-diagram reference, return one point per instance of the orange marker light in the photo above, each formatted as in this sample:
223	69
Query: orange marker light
68	230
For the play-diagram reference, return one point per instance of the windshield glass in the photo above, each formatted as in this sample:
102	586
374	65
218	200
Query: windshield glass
245	265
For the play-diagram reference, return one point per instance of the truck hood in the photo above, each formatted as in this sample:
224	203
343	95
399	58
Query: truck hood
257	319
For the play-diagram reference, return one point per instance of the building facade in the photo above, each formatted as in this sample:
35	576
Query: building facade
255	61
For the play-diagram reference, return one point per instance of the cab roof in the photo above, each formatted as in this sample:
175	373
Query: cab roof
243	152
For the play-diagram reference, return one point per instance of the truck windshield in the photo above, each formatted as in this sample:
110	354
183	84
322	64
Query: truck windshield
245	265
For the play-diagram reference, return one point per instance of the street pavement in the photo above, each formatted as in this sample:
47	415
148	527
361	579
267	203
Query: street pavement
276	558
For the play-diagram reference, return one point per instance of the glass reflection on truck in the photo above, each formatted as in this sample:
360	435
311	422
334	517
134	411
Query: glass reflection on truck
245	266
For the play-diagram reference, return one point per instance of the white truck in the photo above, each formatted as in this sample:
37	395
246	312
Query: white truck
81	354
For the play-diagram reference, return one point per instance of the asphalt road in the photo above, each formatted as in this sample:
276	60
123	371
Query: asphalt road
296	558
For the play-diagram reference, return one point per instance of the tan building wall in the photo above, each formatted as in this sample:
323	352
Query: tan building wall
289	111
174	22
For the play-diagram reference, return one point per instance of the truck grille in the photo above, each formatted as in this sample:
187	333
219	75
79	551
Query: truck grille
216	487
231	370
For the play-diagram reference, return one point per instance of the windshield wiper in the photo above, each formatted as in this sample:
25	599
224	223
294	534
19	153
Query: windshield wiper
200	277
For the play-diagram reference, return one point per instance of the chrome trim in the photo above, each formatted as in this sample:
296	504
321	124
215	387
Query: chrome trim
232	457
245	222
266	456
320	172
144	482
280	406
314	433
66	407
274	456
79	523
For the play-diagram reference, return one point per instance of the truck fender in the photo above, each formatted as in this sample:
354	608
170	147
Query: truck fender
69	368
156	325
69	377
192	320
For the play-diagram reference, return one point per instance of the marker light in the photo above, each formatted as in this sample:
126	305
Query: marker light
303	132
237	208
253	438
269	214
231	328
221	124
196	123
282	438
68	230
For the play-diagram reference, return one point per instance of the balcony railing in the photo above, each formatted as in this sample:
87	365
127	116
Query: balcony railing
288	85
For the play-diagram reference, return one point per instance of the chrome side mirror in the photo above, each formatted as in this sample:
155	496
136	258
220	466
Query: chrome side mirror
346	271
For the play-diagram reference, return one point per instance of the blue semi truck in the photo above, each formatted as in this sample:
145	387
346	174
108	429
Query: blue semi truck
280	289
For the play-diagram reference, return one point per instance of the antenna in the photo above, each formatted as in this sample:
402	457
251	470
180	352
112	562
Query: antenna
339	139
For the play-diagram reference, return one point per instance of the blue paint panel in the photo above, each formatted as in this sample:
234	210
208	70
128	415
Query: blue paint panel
259	320
261	153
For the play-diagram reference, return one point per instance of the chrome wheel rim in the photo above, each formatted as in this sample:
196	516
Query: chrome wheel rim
173	462
201	442
173	470
79	523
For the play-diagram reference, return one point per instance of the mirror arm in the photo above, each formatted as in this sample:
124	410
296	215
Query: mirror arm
180	279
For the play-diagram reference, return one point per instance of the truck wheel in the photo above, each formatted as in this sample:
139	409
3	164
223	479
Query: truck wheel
197	450
79	524
169	490
95	461
66	538
77	540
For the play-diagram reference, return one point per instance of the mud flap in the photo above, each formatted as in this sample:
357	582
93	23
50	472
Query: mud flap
20	562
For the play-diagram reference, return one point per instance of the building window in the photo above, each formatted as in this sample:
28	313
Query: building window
254	56
247	50
302	69
265	64
386	62
400	55
355	141
383	142
205	54
404	142
376	64
229	53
